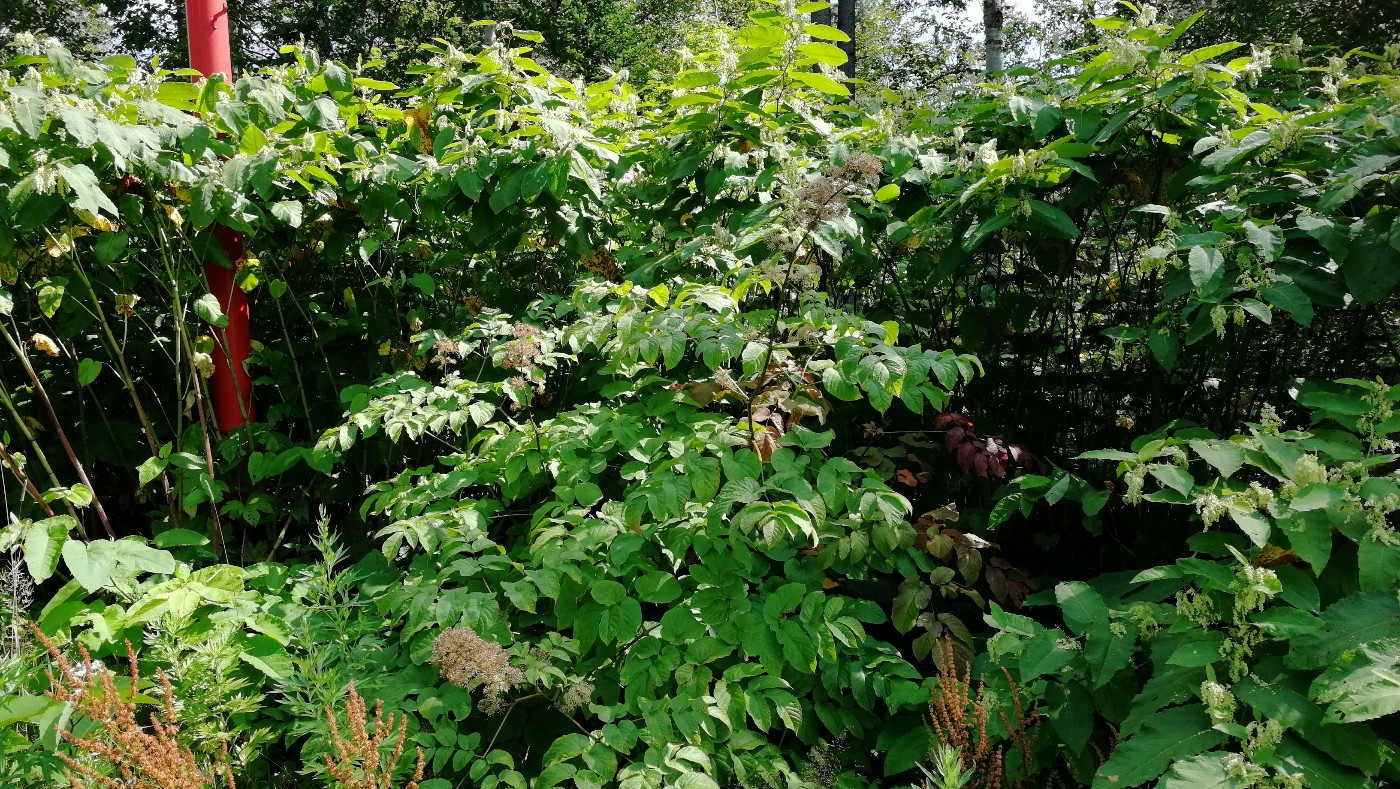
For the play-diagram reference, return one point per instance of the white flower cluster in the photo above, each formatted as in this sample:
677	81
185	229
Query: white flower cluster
1219	702
30	44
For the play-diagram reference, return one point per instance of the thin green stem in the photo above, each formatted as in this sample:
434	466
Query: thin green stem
58	429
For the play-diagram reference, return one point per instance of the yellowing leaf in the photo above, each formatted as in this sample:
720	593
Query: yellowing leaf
94	220
45	344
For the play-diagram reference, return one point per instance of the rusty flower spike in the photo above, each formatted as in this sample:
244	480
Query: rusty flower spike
959	718
359	760
123	754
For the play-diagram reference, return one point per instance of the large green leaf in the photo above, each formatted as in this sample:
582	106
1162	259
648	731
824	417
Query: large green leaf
43	544
1291	299
1372	267
16	709
1207	771
1362	684
1319	770
1083	608
1054	219
91	564
1347	624
1207	268
87	192
822	83
904	745
1170	735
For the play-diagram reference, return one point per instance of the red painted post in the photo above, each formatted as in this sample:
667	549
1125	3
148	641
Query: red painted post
232	388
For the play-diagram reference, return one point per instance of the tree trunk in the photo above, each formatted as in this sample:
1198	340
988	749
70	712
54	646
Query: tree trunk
822	17
993	22
846	21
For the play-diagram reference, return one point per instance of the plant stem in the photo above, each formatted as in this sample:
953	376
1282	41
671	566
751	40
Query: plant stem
58	429
124	372
38	452
24	480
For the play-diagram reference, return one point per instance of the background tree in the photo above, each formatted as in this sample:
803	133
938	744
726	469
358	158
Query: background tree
846	21
993	24
79	24
1367	24
581	36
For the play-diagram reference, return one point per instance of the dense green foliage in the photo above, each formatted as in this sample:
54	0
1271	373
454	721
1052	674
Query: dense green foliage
609	416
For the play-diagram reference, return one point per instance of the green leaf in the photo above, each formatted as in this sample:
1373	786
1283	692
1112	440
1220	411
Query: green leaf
88	370
1165	348
904	745
822	52
1372	267
1362	684
1108	652
1107	454
1310	536
567	747
608	592
1174	477
289	212
1226	457
23	709
821	82
507	193
1071	711
179	538
30	114
1254	525
43	544
1335	402
658	587
1081	605
535	178
1319	770
1169	735
1208	771
1053	219
1379	564
1207	268
783	600
90	564
51	295
803	438
133	553
799	651
694	780
87	192
887	193
1206	53
689	80
1047	118
825	33
470	183
588	494
912	598
1316	497
208	309
149	469
1347	624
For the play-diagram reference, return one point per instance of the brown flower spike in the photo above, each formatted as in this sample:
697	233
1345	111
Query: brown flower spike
358	761
139	758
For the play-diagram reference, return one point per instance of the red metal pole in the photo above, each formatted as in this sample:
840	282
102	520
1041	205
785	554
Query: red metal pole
232	388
